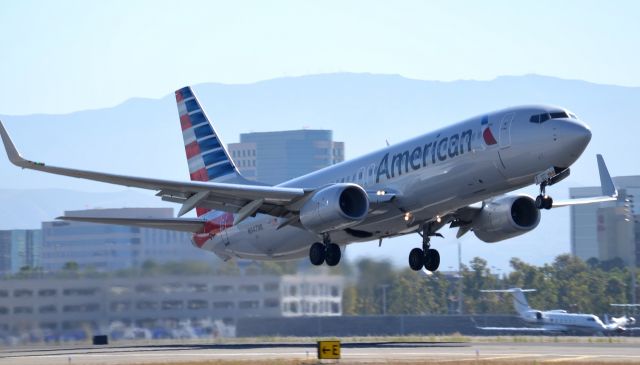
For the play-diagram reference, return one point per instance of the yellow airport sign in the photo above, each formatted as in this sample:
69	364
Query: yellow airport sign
328	350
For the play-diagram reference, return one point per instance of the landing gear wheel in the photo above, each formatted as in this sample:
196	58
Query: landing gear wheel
416	259
317	254
431	259
333	254
544	202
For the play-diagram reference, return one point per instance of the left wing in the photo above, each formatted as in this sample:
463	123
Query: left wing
234	198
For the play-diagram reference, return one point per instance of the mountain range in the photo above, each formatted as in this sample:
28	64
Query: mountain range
142	137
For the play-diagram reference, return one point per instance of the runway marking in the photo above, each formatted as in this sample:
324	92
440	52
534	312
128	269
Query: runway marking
571	358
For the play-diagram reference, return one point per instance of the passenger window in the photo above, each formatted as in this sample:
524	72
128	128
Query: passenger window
535	118
544	117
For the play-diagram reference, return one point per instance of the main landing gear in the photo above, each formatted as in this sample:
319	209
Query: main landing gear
326	251
544	201
426	256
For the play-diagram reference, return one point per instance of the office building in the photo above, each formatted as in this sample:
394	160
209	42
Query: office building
19	248
167	303
274	157
106	247
608	230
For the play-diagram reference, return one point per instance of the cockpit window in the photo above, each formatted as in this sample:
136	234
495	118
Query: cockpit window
543	117
591	319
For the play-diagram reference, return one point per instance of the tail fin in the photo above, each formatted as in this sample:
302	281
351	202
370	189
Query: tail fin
519	300
206	154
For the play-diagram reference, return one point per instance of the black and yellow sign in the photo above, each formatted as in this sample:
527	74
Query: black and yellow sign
328	350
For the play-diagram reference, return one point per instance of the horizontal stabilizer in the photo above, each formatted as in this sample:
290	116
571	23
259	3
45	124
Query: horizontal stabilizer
173	224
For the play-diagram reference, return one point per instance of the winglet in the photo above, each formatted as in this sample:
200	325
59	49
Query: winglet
12	153
608	188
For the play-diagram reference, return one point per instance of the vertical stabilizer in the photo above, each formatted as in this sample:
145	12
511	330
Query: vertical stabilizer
207	156
519	301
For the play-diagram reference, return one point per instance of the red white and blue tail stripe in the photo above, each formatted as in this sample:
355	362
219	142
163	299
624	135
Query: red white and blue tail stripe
208	159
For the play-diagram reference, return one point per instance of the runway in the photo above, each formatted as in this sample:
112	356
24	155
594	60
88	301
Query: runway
371	352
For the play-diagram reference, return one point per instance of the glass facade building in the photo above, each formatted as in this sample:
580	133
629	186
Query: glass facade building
19	248
275	157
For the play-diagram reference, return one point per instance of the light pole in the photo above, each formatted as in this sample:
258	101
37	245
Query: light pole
384	298
460	281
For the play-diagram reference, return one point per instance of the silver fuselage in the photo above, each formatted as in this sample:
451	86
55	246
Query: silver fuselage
431	175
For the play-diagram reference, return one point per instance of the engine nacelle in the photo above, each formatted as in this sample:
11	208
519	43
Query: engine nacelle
335	207
505	218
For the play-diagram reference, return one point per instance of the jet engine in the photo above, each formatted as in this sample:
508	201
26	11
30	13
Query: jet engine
506	217
335	207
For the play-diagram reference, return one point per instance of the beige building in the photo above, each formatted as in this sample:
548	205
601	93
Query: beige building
607	230
94	305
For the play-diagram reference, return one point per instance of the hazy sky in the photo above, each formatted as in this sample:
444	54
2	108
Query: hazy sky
62	56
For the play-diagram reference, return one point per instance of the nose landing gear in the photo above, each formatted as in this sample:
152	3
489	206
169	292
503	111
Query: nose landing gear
544	201
426	256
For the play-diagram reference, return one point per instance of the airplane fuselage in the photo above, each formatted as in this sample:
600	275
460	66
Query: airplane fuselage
430	175
562	321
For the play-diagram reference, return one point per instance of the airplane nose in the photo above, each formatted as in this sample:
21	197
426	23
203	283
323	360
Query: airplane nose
572	138
574	135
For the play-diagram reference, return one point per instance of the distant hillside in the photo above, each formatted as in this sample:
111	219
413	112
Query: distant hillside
142	136
26	209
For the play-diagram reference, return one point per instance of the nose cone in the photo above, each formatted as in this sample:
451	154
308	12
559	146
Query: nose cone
572	138
575	134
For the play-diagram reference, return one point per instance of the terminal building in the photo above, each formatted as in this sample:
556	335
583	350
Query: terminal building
609	230
160	304
106	247
275	157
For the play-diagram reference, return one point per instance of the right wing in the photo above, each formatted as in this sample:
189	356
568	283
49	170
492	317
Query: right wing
609	191
245	200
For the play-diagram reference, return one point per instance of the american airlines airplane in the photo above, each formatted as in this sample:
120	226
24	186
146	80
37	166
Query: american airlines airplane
457	175
558	320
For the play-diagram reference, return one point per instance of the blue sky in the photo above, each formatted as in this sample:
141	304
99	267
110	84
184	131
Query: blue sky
64	56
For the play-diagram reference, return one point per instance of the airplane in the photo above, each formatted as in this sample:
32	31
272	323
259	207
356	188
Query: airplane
558	320
625	320
457	175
